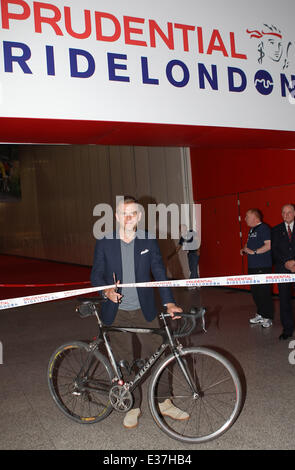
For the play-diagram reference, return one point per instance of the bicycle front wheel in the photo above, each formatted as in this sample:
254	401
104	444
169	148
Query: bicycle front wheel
79	381
209	397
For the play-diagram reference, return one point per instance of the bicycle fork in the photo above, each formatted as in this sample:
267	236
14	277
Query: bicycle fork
182	363
195	387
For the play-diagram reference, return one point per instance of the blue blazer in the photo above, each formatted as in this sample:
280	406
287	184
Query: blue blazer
148	261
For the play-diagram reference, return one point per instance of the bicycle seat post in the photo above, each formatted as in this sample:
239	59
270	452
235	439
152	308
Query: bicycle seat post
97	317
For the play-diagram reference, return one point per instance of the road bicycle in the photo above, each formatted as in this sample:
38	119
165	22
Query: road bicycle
87	383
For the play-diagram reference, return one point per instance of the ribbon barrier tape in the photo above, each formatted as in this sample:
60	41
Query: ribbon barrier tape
199	282
36	299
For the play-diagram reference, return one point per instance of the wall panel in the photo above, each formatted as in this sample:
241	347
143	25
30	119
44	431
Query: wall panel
61	185
262	178
229	171
142	171
220	237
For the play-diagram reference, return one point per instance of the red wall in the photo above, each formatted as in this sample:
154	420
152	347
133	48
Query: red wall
227	182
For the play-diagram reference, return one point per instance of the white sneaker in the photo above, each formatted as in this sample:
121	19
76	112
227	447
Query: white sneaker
131	418
266	323
257	319
168	409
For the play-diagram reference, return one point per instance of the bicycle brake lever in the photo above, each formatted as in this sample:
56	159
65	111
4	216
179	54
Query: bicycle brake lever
203	321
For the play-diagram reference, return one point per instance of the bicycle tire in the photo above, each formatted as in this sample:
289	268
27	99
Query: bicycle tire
217	405
85	400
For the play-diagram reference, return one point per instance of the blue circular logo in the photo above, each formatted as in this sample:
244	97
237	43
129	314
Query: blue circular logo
263	82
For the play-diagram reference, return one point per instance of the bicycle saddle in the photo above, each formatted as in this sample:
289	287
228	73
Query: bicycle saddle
87	305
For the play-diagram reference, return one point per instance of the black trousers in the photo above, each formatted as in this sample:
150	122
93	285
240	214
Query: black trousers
262	294
193	261
286	313
131	346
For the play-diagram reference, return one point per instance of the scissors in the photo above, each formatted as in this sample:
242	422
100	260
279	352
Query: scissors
116	286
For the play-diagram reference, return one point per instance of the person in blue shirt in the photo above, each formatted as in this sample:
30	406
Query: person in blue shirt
258	251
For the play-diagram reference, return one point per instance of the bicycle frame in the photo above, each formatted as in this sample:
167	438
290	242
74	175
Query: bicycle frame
168	341
87	384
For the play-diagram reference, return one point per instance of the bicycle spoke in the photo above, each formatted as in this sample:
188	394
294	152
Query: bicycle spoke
80	383
208	412
228	379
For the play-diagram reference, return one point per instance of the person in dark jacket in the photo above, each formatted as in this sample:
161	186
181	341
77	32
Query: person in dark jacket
283	249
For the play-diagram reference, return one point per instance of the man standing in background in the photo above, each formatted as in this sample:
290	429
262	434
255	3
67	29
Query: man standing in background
258	251
283	248
190	243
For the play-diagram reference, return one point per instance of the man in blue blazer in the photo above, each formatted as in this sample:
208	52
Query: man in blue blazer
147	261
131	256
283	249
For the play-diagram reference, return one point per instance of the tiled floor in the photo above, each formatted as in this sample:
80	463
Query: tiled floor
29	419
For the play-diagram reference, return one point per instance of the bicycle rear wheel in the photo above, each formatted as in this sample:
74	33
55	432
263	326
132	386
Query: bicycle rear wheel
79	381
209	412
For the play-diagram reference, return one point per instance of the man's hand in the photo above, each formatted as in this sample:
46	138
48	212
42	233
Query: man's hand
290	265
113	295
248	251
173	309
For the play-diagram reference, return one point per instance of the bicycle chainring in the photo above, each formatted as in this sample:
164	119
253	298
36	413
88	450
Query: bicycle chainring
121	399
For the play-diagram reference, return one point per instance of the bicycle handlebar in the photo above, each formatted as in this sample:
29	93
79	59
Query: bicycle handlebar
190	320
